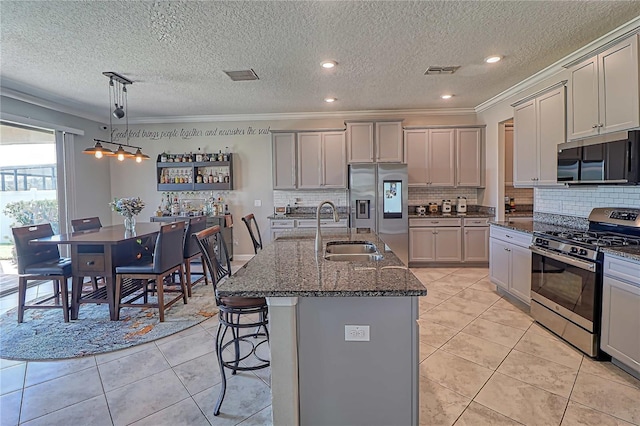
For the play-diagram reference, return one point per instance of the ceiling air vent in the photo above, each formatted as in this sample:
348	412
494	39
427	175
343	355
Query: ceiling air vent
434	70
243	75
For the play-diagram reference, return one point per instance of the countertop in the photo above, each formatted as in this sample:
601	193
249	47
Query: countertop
518	213
629	252
448	215
289	267
306	216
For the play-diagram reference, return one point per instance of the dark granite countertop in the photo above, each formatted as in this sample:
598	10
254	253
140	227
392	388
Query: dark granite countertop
450	215
289	267
520	213
531	226
306	216
628	252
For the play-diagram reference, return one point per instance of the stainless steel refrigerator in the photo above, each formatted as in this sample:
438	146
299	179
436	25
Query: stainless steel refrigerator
378	200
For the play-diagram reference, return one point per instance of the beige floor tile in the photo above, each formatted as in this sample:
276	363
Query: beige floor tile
479	296
474	349
198	344
455	373
38	372
131	368
436	296
551	349
547	375
52	395
425	306
262	418
426	350
485	284
512	304
145	397
92	412
608	371
246	395
439	406
111	356
464	306
477	414
512	318
427	275
522	402
4	363
10	408
456	281
12	378
579	415
473	273
435	334
538	329
443	316
494	332
200	373
185	412
445	288
609	397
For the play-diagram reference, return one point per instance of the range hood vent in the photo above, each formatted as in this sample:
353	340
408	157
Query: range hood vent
242	75
438	70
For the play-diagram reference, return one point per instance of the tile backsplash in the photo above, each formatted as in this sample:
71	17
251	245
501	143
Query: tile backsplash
521	196
578	201
420	196
301	198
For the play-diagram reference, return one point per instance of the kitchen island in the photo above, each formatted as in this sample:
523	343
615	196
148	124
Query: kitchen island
317	376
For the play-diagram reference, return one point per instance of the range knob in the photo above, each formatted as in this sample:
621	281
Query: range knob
574	249
538	240
583	252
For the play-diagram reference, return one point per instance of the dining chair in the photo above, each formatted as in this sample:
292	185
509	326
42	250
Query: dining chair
256	239
192	251
41	263
130	279
88	224
235	313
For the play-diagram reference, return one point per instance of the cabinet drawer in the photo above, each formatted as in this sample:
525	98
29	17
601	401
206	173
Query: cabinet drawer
478	221
282	223
430	222
521	239
622	269
90	262
324	223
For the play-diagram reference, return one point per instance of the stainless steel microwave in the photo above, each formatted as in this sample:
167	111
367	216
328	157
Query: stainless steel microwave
616	162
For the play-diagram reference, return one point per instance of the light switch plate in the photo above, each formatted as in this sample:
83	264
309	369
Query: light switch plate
257	203
356	333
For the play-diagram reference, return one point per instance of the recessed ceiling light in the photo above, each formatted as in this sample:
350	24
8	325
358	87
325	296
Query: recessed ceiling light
329	64
446	96
329	100
493	59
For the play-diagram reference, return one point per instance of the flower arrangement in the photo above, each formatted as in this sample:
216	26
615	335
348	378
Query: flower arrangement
127	207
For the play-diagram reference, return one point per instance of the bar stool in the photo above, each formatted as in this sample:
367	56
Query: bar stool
235	313
192	251
166	260
88	224
250	221
41	263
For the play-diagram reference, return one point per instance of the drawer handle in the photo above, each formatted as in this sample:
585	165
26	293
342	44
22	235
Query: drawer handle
508	236
477	221
435	221
90	263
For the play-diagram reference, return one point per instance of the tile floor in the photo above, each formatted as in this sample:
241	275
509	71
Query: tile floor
482	362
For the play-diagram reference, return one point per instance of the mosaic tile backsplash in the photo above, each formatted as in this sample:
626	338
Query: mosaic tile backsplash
579	201
300	198
422	196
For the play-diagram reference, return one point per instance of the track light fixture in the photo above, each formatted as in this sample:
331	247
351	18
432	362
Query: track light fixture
118	97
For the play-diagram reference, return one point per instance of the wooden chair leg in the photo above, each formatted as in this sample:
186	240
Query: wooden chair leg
160	291
118	294
22	295
187	267
204	270
183	286
56	290
64	291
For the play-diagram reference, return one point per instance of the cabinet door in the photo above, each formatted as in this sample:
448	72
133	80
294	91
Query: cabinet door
416	143
551	132
448	244
389	142
469	157
583	99
499	263
360	142
284	160
525	150
476	244
334	161
520	279
422	244
618	83
309	160
441	157
621	321
508	156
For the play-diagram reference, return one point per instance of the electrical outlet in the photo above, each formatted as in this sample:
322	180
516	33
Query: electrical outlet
257	203
357	333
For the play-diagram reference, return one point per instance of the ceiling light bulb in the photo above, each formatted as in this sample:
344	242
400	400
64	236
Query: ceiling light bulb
138	159
493	59
329	64
446	96
329	100
98	154
120	157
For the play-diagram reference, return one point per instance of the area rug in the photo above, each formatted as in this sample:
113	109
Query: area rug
45	336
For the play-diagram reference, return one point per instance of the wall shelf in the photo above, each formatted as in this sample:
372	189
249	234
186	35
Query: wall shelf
225	168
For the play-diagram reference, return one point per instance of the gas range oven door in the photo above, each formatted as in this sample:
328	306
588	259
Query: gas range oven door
566	296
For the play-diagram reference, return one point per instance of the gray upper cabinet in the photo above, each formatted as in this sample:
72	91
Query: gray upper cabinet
469	170
603	92
284	160
321	160
374	142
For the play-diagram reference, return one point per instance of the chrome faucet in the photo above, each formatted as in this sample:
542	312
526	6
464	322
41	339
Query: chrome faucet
318	234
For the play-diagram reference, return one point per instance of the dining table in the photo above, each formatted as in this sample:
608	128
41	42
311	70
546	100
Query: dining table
97	253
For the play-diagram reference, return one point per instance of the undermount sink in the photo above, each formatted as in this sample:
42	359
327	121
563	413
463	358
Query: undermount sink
352	251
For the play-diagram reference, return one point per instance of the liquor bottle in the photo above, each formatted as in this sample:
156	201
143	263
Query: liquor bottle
199	177
199	156
175	207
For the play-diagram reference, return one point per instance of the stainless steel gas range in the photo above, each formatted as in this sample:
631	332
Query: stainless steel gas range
566	275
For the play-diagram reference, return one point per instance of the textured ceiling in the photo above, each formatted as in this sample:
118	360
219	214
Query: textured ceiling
176	52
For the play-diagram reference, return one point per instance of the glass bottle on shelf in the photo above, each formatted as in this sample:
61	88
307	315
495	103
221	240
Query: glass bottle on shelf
199	177
226	154
199	156
210	177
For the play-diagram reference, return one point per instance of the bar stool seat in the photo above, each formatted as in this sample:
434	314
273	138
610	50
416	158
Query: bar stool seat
192	252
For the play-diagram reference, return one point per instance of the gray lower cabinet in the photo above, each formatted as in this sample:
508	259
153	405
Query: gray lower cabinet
476	244
621	311
435	240
510	262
